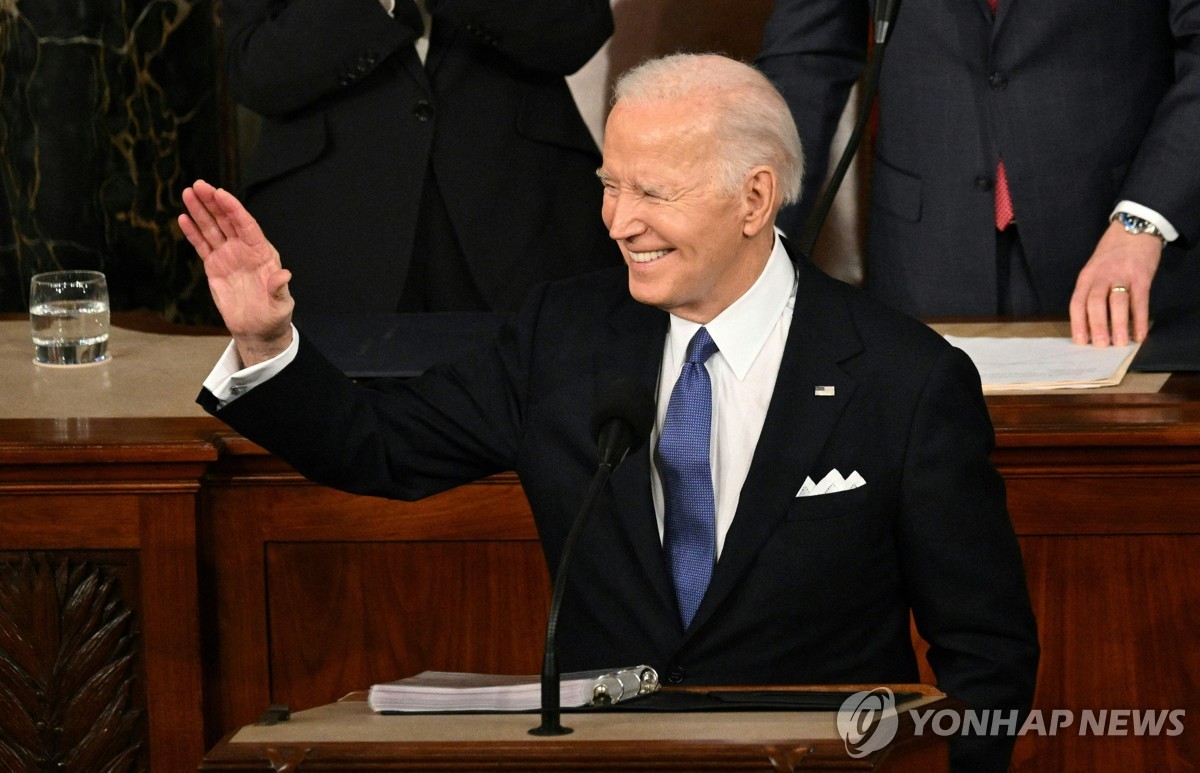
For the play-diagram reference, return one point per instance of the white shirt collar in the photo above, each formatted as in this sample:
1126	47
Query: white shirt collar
741	330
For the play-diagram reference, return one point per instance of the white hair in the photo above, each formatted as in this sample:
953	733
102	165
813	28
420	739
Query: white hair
754	125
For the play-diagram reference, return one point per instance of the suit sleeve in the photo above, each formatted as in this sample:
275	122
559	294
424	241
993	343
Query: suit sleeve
813	51
1163	175
962	564
556	37
403	439
283	56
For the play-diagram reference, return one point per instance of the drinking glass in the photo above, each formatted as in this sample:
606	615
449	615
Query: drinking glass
68	316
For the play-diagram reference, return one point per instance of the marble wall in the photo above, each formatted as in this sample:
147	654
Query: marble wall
108	109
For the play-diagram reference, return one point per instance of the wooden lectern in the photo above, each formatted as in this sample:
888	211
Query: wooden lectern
347	736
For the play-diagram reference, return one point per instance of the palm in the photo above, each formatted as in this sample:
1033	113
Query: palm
239	277
247	281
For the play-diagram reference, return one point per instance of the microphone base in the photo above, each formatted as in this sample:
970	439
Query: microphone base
550	728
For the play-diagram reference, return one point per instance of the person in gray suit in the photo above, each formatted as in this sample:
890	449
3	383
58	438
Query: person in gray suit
420	156
1088	109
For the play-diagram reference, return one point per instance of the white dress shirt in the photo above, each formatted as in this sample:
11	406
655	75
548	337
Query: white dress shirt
421	43
750	335
1149	215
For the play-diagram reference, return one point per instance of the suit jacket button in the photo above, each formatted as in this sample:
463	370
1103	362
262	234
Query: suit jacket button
997	80
677	675
423	110
983	183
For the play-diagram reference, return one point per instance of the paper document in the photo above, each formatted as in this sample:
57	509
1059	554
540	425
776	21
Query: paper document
456	691
1021	363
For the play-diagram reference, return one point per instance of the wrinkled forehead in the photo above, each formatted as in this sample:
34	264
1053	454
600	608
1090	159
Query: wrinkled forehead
674	134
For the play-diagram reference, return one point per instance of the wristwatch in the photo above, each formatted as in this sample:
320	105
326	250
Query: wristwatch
1136	225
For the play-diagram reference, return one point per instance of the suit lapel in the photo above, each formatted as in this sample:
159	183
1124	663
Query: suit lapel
441	37
996	19
633	349
797	424
411	64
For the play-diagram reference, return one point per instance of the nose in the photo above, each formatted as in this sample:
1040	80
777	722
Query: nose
621	217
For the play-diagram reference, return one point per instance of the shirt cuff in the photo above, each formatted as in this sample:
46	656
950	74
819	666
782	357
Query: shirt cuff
229	380
1150	216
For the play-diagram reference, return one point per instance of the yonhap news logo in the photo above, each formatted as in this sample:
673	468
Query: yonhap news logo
867	722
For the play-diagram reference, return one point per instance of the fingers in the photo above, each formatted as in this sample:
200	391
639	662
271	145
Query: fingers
218	216
1101	313
1140	304
1079	317
236	220
194	237
277	284
1097	314
1113	289
202	229
1089	312
1118	314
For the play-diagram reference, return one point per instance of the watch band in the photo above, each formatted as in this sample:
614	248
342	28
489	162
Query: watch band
1137	225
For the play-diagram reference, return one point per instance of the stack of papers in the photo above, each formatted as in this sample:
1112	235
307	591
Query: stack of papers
1023	364
456	691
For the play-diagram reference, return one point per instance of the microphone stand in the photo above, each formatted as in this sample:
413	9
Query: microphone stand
614	442
885	15
551	710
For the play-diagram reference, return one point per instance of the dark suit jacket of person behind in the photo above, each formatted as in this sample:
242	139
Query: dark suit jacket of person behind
1088	101
812	590
352	120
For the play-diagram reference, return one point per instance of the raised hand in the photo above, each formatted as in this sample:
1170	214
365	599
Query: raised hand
246	279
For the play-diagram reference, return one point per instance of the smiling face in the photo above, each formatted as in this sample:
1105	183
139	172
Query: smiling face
692	248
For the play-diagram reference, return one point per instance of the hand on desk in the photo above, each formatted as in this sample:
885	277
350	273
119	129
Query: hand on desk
246	279
1120	260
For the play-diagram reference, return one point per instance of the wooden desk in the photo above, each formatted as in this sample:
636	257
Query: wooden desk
100	474
238	584
1104	492
348	736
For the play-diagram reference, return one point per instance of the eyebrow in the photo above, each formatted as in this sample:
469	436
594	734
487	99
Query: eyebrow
651	189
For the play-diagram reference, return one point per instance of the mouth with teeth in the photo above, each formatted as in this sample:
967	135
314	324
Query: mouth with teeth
646	257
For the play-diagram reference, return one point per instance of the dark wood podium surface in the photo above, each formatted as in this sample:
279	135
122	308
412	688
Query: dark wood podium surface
347	736
236	584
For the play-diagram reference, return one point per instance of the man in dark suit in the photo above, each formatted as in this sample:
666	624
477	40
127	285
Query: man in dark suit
806	376
1081	110
433	160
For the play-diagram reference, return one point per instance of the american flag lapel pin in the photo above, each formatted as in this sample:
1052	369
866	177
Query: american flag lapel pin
824	391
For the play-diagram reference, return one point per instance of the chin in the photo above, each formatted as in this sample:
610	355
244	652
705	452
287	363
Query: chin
647	293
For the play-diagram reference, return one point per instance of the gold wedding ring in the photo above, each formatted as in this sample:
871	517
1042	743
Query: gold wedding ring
1119	289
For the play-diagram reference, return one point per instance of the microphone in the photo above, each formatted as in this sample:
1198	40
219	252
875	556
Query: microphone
884	13
622	420
620	424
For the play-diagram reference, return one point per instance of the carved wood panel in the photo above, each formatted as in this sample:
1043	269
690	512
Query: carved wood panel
72	691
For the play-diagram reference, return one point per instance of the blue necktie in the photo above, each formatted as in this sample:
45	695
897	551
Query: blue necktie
690	529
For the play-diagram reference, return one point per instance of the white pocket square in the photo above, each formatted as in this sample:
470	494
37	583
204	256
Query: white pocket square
832	483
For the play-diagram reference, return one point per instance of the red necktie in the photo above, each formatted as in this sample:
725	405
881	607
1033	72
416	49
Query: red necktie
1002	199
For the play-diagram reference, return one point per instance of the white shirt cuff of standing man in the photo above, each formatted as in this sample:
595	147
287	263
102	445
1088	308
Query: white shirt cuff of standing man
1150	216
229	380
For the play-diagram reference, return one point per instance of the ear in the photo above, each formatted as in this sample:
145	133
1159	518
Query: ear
758	197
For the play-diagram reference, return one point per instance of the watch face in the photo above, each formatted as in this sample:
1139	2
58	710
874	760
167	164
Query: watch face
1136	225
